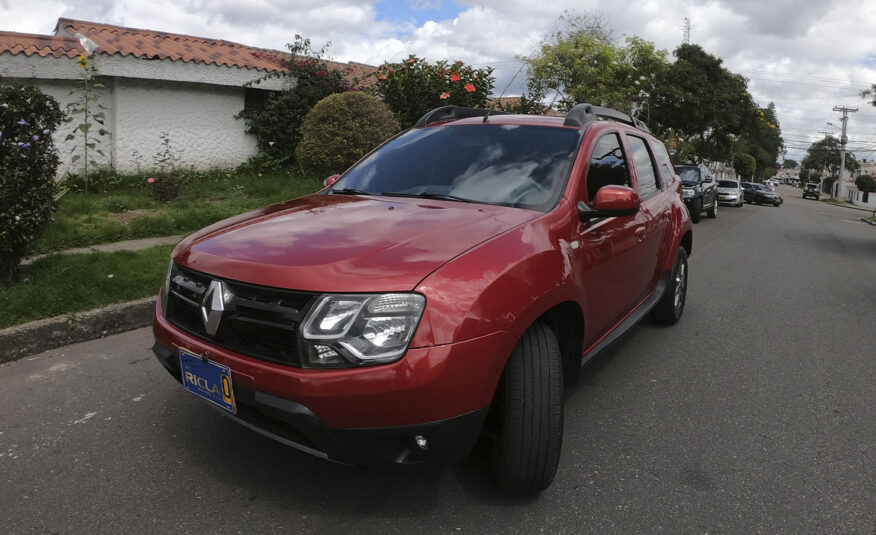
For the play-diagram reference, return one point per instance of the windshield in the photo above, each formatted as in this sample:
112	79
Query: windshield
508	165
728	184
690	175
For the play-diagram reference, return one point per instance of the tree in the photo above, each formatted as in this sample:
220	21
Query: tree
762	139
790	164
745	164
866	183
582	63
277	124
870	93
414	87
825	155
700	107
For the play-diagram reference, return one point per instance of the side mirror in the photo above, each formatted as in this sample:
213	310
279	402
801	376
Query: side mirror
330	180
610	201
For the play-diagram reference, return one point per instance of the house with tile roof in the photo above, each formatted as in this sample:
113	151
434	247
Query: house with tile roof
190	88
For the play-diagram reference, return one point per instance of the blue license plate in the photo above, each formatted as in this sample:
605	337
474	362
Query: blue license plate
207	379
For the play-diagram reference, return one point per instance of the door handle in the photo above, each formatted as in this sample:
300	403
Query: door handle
640	233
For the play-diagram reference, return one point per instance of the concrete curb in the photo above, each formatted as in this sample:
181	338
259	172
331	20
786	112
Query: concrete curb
865	220
41	335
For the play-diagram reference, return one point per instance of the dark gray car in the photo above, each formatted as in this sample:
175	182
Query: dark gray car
700	192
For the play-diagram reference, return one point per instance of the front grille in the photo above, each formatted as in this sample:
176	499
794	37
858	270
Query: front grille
258	321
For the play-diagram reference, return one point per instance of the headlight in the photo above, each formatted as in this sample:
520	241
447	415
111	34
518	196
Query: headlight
165	290
687	193
359	329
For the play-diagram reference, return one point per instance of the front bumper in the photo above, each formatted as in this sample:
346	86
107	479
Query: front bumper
729	198
366	416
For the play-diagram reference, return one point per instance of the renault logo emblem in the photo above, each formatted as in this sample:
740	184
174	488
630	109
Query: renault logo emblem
212	307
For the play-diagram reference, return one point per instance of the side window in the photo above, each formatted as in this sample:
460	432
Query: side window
608	166
663	162
644	166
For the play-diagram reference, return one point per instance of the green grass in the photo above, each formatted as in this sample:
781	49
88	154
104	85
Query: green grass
127	212
66	284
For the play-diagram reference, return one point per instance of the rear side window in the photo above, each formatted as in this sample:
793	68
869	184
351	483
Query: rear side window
644	166
608	166
663	162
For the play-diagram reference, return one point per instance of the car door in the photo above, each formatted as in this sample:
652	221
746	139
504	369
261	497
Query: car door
606	252
654	214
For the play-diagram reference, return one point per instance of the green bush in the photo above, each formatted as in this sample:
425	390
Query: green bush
340	129
276	121
414	87
28	163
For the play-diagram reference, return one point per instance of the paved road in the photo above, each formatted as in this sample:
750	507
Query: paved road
754	415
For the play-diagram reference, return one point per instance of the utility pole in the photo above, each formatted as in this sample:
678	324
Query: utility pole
840	191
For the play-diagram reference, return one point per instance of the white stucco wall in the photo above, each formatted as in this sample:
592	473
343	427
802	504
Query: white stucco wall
193	103
199	119
60	90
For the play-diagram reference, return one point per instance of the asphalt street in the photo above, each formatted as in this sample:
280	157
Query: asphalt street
755	414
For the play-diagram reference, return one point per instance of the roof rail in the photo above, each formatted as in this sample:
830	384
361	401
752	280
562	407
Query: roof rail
582	114
446	113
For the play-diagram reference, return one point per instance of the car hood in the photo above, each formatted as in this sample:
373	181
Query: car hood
343	243
729	190
689	183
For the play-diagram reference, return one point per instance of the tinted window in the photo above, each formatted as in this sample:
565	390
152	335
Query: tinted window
608	166
728	184
509	165
644	166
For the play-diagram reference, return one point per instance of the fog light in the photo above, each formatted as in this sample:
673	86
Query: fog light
422	442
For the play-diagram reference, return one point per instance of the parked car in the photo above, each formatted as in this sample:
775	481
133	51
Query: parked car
730	192
812	189
700	193
759	194
421	302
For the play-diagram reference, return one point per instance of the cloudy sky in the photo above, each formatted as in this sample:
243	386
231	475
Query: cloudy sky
807	56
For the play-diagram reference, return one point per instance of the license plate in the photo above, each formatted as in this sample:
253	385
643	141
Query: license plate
207	379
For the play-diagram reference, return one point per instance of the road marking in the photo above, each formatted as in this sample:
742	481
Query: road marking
85	418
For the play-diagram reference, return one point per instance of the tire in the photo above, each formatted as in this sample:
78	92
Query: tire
713	211
671	306
696	211
529	405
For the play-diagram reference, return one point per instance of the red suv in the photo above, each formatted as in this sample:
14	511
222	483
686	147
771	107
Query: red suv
442	290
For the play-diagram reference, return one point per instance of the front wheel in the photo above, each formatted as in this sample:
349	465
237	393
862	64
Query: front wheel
696	210
529	414
668	311
713	211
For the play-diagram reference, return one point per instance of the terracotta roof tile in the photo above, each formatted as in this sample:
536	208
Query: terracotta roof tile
41	45
151	44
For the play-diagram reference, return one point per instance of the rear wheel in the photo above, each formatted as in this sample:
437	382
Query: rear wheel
529	414
668	311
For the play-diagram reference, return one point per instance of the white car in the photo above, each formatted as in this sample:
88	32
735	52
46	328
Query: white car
730	192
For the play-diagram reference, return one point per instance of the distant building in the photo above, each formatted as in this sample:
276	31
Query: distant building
863	198
190	88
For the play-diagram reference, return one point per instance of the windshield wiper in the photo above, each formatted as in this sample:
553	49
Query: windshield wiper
427	195
350	191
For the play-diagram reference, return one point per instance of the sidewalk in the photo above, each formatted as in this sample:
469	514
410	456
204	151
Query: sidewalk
37	336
